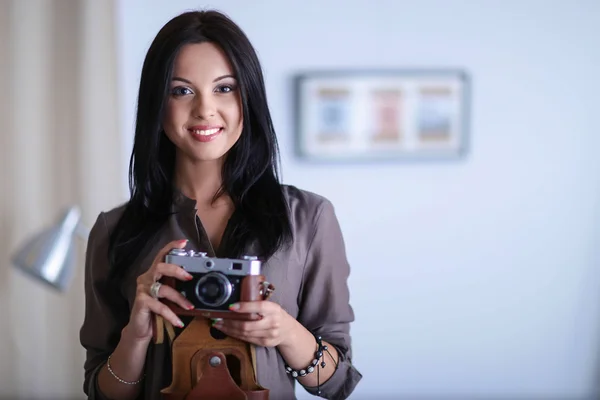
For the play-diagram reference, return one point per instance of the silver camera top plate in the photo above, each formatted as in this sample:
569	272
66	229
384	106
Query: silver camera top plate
198	262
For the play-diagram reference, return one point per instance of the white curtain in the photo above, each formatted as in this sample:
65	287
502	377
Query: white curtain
59	145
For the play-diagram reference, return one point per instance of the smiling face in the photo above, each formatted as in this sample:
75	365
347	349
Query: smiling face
203	117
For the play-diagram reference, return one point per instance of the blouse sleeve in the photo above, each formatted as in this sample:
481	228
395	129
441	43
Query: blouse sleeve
105	313
324	303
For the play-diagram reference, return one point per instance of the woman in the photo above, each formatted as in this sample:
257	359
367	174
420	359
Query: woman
203	176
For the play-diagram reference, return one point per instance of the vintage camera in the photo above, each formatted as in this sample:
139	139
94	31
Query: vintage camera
217	283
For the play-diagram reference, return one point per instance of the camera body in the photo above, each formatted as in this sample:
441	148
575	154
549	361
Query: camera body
216	283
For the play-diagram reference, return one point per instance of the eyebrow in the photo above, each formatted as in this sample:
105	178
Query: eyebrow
177	78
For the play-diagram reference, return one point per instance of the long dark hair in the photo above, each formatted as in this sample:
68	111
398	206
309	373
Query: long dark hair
250	172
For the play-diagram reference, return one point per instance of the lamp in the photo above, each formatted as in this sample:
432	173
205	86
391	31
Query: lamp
49	255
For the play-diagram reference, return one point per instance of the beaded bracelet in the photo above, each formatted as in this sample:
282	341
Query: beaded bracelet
314	364
119	379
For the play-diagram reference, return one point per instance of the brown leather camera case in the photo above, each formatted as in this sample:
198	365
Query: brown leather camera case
233	377
232	373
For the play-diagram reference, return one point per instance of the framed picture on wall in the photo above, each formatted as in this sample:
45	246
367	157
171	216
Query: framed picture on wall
381	115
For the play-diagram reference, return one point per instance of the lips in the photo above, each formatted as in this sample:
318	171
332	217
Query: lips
203	133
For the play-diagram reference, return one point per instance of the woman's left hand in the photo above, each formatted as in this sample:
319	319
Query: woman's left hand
275	327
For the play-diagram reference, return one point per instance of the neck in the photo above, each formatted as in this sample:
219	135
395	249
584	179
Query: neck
199	181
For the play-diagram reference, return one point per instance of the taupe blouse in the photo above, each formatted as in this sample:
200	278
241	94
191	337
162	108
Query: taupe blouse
310	278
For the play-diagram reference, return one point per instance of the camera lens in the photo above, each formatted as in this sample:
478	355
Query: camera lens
213	289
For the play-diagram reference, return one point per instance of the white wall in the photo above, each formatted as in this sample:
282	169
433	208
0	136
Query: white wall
477	278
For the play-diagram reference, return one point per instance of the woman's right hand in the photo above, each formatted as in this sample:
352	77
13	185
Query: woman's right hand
145	306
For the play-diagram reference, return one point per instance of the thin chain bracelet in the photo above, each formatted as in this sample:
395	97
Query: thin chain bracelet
119	379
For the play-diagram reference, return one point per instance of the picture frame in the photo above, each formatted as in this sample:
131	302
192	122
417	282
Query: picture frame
382	115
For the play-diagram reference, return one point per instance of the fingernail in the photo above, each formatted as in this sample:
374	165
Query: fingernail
215	321
180	324
190	306
184	241
188	276
234	306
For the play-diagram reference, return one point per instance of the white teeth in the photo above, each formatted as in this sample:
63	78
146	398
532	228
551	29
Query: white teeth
206	132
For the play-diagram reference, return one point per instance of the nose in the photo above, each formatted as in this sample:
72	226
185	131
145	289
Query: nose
205	106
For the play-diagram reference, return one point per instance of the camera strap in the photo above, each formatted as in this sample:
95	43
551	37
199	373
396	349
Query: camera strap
159	328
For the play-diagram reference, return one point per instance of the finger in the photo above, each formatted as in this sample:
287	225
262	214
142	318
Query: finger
160	256
245	326
160	308
152	275
164	269
244	334
167	292
263	307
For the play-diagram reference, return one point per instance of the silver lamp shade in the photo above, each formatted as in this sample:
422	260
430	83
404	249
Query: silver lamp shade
49	255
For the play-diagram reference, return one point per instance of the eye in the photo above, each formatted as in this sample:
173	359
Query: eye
225	88
180	91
